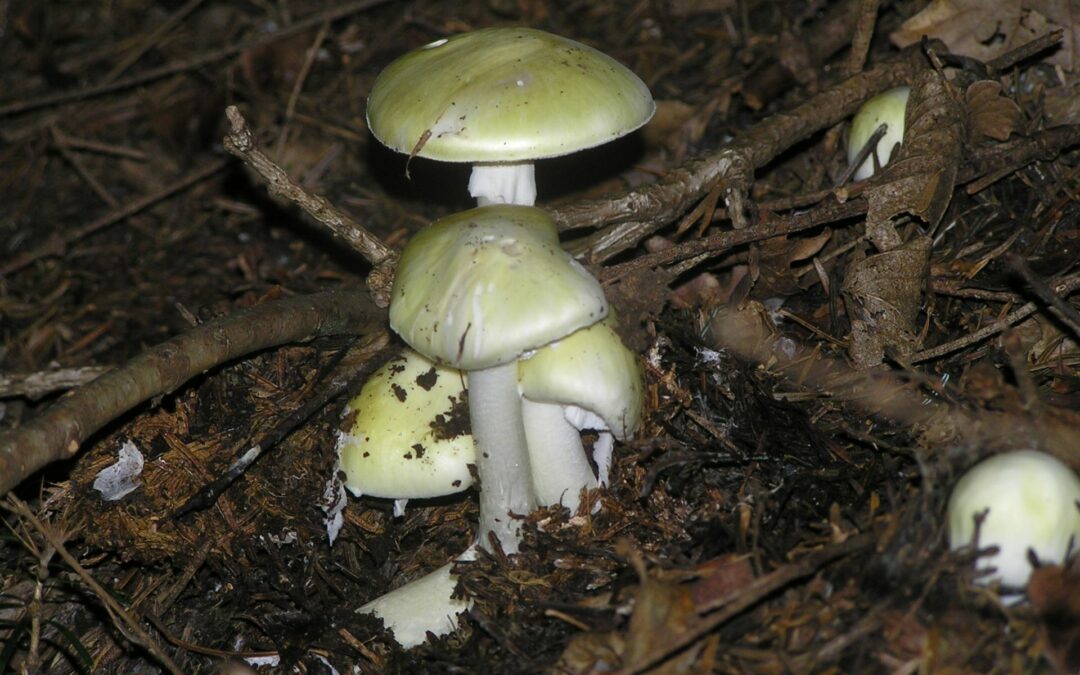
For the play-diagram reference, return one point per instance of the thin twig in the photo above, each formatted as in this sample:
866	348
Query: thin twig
697	250
45	382
1063	287
298	86
864	32
1067	313
332	14
641	212
240	141
150	39
134	628
74	143
58	243
740	600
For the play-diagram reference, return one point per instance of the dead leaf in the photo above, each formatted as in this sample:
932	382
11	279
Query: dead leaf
919	179
745	328
985	29
591	653
670	115
1062	104
719	579
967	27
1055	598
678	126
775	260
883	293
989	113
664	611
1049	15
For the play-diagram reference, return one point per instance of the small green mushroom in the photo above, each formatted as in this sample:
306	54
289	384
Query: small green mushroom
501	98
587	380
887	108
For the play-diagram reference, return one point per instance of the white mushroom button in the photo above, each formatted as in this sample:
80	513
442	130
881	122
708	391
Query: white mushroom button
887	108
1027	500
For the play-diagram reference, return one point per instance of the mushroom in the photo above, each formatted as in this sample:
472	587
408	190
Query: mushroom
887	108
422	606
587	380
501	98
1031	501
405	435
477	291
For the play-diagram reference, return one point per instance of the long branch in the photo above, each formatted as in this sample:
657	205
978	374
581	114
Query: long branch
642	211
58	432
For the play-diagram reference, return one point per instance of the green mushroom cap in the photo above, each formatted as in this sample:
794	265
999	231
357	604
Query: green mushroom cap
482	287
406	438
590	369
505	95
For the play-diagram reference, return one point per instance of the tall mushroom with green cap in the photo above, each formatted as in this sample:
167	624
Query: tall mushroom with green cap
587	380
404	434
501	98
477	291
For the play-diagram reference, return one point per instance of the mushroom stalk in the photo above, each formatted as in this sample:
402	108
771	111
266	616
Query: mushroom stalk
559	465
503	183
502	456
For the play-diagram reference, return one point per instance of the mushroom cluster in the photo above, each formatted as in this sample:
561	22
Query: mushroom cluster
490	293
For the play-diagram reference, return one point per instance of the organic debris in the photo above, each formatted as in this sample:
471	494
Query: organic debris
823	358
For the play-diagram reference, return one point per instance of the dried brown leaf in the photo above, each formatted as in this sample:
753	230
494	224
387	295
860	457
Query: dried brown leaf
720	578
591	653
967	27
1055	598
883	294
919	180
1048	15
669	116
985	29
989	113
774	259
677	126
662	613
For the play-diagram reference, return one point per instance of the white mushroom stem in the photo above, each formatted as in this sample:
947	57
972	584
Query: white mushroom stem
602	451
422	606
503	183
502	456
560	468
